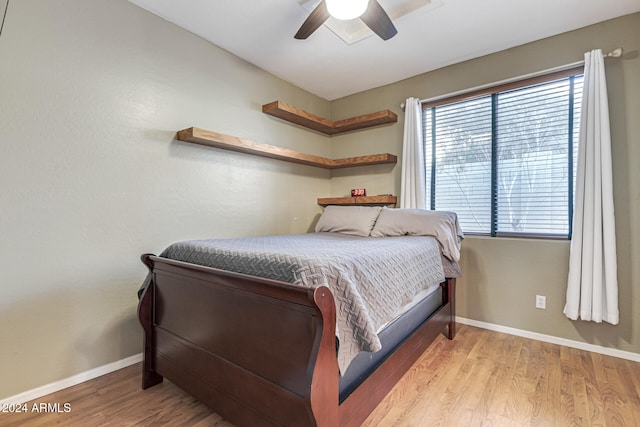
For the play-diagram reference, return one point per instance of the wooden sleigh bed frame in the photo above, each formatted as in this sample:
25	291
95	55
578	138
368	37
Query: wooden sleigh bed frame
262	352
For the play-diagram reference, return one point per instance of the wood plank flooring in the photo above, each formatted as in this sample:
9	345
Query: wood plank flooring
481	378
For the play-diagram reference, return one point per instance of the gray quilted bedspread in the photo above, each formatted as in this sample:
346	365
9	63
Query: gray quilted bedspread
372	279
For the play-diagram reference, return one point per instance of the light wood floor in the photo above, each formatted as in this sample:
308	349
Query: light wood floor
481	378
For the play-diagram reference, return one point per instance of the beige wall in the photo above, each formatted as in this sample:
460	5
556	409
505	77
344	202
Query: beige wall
502	276
91	95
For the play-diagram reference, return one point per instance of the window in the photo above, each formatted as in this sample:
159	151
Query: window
504	158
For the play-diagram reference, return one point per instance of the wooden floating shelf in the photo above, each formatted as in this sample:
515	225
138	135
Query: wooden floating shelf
358	201
300	117
233	143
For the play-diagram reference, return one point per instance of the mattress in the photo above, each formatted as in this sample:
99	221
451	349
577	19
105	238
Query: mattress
373	280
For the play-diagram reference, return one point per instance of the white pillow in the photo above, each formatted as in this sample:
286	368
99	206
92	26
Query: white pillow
356	220
418	222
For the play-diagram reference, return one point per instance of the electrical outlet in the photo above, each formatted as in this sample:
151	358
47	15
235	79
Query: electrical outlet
541	301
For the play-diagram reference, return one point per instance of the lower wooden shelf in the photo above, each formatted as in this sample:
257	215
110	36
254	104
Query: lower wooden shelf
233	143
359	201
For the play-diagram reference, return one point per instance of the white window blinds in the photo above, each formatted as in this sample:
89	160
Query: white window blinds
504	161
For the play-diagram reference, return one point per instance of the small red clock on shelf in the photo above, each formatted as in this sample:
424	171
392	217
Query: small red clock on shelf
358	192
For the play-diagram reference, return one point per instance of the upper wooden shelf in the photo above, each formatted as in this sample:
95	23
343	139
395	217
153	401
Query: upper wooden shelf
358	201
300	117
233	143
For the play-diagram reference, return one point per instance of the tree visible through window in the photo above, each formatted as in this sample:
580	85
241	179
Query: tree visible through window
504	160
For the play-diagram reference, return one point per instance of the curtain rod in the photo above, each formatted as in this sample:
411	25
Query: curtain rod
616	53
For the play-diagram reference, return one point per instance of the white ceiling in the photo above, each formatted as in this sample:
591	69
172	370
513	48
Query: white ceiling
436	35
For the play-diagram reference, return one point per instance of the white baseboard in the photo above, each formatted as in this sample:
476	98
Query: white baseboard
551	339
71	381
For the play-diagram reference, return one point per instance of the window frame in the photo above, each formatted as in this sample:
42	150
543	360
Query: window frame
493	90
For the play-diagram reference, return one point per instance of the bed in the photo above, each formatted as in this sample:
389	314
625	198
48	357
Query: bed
297	330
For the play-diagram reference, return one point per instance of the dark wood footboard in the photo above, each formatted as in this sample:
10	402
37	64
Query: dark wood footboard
260	351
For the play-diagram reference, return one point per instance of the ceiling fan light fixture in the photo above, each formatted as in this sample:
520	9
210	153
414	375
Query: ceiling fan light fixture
346	9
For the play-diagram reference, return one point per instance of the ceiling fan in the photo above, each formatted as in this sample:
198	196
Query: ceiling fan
369	11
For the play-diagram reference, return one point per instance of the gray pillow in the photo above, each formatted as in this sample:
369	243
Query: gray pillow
442	225
355	220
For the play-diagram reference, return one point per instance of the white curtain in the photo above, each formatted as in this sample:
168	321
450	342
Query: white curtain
592	290
412	186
